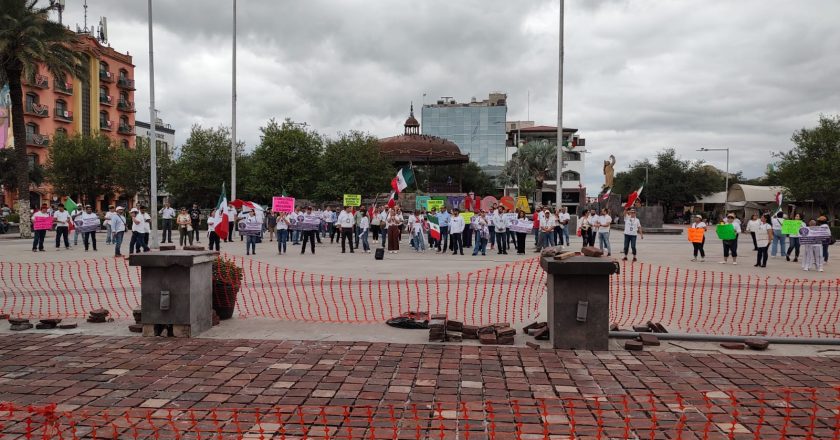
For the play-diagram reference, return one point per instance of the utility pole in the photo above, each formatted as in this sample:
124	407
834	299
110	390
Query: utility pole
153	211
233	116
560	114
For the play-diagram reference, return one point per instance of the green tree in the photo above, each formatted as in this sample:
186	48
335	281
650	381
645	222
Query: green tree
133	170
671	181
287	159
352	164
471	176
202	166
8	165
530	166
809	170
28	38
82	165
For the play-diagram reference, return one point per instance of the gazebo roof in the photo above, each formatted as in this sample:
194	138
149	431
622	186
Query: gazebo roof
421	148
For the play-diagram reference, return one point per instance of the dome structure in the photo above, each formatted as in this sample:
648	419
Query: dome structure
413	147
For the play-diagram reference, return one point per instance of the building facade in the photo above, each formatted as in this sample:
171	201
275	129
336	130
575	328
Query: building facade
477	127
100	102
164	134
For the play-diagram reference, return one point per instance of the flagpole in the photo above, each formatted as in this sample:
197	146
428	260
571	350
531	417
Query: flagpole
559	185
153	211
233	116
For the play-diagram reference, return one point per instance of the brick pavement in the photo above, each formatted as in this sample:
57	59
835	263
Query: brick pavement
114	374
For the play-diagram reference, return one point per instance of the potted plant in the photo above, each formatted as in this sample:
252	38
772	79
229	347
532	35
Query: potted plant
227	277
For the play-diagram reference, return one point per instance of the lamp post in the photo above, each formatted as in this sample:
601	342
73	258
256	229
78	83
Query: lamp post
152	135
233	115
726	196
560	113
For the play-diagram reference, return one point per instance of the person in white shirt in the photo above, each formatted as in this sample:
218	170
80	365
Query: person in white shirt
778	237
364	229
416	223
251	240
456	231
76	215
604	222
346	221
383	226
167	214
62	225
698	247
107	224
140	229
500	225
39	235
763	236
564	218
231	222
393	222
482	233
752	227
89	236
546	229
814	253
593	227
283	224
118	228
632	229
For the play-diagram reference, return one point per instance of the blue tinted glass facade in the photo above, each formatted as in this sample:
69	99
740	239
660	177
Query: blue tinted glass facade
478	131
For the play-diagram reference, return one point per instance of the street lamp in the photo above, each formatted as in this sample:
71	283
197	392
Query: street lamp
726	197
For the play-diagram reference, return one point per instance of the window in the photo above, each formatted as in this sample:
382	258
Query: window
103	119
61	131
103	93
571	156
123	121
123	74
124	144
32	161
31	99
60	106
103	67
124	97
570	175
31	128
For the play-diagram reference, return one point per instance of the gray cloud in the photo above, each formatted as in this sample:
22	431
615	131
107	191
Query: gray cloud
641	75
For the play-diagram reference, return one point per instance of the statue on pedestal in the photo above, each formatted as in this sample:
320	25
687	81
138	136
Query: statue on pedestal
609	172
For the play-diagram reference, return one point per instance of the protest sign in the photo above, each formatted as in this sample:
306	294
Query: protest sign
42	223
695	235
420	202
88	225
523	205
725	231
814	235
249	228
305	222
282	204
352	200
434	204
791	227
509	216
467	216
522	225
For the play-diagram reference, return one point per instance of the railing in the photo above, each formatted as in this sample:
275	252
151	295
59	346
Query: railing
63	87
63	115
125	129
125	83
105	99
36	109
126	106
106	76
40	81
105	125
37	139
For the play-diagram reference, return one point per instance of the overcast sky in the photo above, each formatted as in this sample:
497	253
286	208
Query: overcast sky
641	75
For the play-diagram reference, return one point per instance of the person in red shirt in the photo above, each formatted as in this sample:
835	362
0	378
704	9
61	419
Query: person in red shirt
536	219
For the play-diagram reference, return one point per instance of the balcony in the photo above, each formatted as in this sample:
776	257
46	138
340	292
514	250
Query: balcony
65	88
37	140
39	81
125	129
106	76
63	115
36	109
106	100
105	124
125	83
126	106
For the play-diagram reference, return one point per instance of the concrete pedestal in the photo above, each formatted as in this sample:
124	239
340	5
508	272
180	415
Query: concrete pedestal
579	302
176	291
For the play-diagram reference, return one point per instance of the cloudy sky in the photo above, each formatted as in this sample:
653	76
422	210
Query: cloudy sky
641	75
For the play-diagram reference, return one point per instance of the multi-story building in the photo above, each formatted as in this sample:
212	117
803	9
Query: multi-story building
574	157
477	127
100	102
164	133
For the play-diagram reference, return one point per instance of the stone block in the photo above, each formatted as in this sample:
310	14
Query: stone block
470	332
68	326
487	338
21	326
543	334
504	340
18	321
168	247
757	344
533	345
194	248
591	251
455	326
641	329
732	345
135	328
42	326
507	331
649	339
634	345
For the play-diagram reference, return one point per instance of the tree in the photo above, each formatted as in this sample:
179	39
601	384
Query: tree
809	170
28	38
132	168
534	163
472	177
8	165
287	159
201	167
352	164
671	180
82	165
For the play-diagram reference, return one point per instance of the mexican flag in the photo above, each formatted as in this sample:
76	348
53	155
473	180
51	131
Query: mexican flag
779	200
631	199
392	201
70	205
434	227
221	217
606	195
404	178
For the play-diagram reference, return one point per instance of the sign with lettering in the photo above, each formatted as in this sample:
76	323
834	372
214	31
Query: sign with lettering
814	235
420	202
509	216
508	203
725	231
250	228
282	204
42	223
91	224
435	204
488	202
791	227
304	222
522	225
352	200
695	235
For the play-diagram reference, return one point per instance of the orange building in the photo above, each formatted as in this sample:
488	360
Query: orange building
103	102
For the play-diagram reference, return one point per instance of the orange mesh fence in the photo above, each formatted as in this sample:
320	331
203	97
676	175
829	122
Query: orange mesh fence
684	300
799	413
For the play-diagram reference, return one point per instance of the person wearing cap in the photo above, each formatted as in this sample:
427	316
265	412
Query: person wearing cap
118	227
139	230
698	247
38	236
62	224
89	236
167	214
185	231
632	229
135	235
731	246
107	224
456	231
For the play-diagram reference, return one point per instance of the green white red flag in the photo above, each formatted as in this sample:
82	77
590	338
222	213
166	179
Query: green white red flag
434	227
221	217
631	199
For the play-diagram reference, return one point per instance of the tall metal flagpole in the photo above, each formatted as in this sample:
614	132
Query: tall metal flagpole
153	134
233	116
560	115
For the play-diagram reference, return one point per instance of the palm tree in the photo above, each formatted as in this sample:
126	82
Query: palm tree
28	39
535	162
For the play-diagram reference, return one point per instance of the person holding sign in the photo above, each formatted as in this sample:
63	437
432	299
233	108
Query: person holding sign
632	228
40	234
184	227
456	231
62	224
521	236
813	257
346	221
89	218
251	241
763	236
791	229
393	222
697	237
283	224
730	238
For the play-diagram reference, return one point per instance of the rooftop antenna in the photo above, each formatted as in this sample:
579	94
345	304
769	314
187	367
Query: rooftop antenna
85	6
103	30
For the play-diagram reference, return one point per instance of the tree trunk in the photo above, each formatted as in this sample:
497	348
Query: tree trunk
22	165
